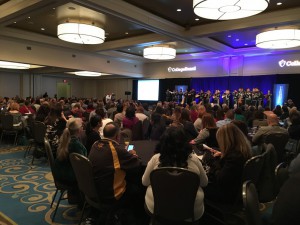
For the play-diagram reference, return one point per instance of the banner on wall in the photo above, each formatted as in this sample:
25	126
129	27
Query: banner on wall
280	93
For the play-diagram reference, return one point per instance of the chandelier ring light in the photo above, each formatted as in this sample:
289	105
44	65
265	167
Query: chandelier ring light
159	52
80	33
228	9
278	39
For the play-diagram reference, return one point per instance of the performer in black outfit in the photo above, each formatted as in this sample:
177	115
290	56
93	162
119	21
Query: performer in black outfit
226	97
168	95
235	95
216	97
248	97
268	98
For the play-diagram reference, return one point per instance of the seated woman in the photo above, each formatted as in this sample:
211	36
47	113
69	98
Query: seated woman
56	123
130	119
92	132
174	150
226	172
69	143
188	125
17	116
207	134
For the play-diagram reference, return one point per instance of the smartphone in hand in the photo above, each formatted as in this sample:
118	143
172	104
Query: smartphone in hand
130	147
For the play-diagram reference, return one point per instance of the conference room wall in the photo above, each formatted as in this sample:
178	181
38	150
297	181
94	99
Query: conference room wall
25	84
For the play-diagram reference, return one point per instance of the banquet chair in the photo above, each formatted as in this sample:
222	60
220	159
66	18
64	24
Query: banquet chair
174	192
251	204
62	188
137	131
279	141
252	169
39	132
126	135
282	174
84	174
7	125
266	185
146	124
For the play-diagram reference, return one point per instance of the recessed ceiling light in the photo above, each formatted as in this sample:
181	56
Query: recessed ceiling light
53	8
197	19
15	22
279	3
178	10
126	33
246	44
237	39
42	28
129	49
28	17
229	36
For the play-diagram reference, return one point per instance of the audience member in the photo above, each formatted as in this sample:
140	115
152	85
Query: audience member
198	122
92	132
174	150
229	116
273	127
69	143
225	174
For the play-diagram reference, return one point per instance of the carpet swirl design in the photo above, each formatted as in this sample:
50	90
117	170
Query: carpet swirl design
27	191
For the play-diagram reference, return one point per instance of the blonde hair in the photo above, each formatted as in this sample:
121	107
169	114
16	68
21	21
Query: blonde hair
231	139
72	128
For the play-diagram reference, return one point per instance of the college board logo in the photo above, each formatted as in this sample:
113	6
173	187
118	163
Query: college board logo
283	63
182	69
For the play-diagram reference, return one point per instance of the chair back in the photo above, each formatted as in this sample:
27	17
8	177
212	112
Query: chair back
126	135
279	141
174	191
146	124
49	154
259	123
282	174
84	175
211	141
7	121
137	131
251	204
267	183
252	169
39	131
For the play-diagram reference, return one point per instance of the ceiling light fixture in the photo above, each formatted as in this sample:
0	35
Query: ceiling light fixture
80	33
13	65
87	74
277	39
160	52
228	9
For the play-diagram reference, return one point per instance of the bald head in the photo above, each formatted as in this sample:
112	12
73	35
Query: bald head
272	119
111	130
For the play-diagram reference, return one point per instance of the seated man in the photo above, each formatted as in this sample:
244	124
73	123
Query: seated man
273	127
111	161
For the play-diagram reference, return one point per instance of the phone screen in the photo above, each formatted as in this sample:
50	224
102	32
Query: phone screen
130	147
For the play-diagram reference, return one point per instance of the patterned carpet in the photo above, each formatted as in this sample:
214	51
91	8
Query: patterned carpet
26	191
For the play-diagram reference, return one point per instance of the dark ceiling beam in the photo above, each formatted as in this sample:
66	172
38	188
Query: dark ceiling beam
16	10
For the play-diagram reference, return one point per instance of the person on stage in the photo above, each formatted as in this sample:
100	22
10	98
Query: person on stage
180	95
191	96
248	97
254	97
216	97
241	96
226	97
206	97
199	96
268	98
235	95
168	95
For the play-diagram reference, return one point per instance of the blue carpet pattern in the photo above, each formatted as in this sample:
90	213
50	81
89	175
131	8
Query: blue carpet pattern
26	190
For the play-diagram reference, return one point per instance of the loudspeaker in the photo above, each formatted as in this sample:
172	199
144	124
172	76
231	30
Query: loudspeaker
127	93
